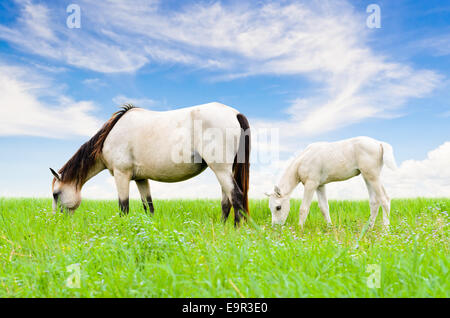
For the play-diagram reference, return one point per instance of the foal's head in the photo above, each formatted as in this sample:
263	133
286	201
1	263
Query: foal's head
279	205
67	194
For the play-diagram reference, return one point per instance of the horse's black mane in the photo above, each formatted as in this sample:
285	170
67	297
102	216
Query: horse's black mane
77	168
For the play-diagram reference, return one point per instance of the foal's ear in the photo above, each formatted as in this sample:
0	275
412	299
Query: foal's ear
267	194
55	174
277	191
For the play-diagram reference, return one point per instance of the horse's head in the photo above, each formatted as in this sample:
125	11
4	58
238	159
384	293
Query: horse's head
279	205
67	194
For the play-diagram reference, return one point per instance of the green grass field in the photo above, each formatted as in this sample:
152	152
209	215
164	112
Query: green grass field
185	251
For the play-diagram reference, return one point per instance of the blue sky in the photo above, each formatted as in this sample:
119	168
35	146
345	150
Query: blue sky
312	69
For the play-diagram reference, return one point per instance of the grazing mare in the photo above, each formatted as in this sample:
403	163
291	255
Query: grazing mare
324	162
170	146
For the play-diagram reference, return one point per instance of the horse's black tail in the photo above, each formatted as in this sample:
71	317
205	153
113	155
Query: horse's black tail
241	165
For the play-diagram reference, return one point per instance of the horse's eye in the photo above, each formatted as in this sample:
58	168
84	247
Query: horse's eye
56	195
278	207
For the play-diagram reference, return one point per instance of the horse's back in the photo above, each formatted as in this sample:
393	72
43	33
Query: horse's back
215	115
340	160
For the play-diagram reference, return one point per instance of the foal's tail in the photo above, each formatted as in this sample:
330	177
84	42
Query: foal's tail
388	155
241	165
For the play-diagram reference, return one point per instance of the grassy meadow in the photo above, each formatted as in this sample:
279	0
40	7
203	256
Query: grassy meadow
184	250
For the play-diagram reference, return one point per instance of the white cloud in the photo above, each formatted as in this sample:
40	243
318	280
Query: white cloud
23	113
39	30
326	42
429	177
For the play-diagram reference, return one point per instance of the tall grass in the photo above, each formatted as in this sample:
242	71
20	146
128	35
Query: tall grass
184	250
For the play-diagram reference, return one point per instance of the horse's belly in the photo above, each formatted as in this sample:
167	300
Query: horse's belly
174	173
341	175
340	168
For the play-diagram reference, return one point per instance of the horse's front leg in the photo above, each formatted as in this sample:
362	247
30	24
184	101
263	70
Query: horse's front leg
144	190
310	188
122	180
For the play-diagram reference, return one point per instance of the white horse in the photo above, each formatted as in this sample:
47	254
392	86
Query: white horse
321	163
138	144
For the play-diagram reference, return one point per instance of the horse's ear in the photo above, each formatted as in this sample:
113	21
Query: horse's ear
277	191
267	194
55	174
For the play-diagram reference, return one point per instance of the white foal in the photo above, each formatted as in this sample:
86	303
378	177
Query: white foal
323	162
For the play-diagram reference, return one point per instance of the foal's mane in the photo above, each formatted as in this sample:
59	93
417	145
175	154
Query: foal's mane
77	168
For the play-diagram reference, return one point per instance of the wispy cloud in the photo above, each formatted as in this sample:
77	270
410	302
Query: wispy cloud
39	30
94	83
325	42
22	111
438	45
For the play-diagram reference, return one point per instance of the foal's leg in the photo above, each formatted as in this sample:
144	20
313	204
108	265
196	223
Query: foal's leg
323	203
382	198
122	180
226	206
386	211
374	203
144	190
310	188
376	190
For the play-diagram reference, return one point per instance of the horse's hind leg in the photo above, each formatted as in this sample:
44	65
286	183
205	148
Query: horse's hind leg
373	201
383	199
323	203
377	196
226	206
237	199
144	190
386	208
123	189
230	189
